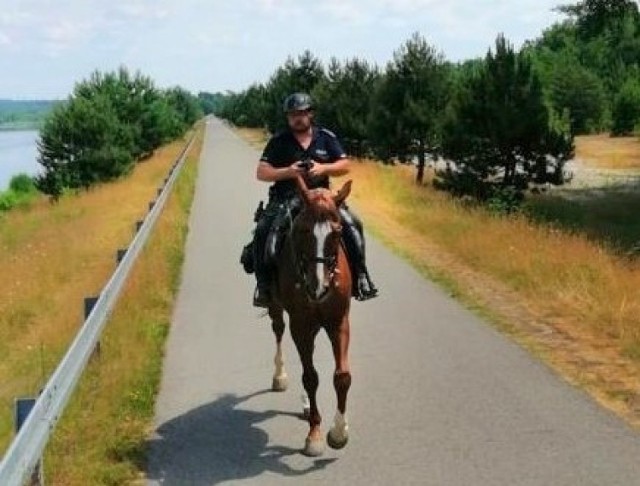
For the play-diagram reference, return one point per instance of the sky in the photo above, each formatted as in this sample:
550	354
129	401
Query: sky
214	45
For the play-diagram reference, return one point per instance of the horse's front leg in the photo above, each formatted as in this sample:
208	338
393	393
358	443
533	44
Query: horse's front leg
304	337
339	335
280	381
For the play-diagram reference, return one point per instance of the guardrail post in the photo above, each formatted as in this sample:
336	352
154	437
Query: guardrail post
89	304
152	205
120	254
22	408
139	225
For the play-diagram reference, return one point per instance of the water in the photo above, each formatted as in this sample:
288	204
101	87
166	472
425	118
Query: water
18	153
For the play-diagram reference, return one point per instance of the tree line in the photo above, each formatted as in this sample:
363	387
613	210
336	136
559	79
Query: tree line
30	113
111	121
502	123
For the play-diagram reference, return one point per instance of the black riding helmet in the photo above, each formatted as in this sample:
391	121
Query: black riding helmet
298	102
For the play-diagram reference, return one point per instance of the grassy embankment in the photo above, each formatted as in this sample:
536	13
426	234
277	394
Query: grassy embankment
564	293
52	257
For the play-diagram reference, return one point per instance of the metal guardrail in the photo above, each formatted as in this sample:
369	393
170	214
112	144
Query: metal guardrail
25	451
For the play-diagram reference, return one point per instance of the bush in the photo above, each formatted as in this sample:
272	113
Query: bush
82	143
22	183
8	200
109	122
626	109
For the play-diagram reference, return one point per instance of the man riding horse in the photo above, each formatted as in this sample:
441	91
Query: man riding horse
314	153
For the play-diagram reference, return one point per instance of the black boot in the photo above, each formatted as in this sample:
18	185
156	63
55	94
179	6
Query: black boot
364	288
262	296
353	237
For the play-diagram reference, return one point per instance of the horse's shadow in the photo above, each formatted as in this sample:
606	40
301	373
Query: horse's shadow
218	442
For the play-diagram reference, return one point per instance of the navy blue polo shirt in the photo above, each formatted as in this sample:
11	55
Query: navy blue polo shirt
284	150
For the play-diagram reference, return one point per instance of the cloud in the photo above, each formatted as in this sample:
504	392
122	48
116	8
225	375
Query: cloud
205	44
5	40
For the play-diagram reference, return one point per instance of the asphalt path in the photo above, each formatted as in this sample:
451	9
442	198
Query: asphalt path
438	396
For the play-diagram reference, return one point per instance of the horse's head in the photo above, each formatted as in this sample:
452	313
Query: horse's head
316	238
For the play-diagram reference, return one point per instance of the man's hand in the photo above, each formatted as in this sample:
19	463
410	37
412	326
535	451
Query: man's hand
318	170
267	173
295	170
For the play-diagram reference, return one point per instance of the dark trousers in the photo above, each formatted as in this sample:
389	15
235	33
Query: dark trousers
263	228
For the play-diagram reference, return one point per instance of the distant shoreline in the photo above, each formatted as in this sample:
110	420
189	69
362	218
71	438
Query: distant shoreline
20	127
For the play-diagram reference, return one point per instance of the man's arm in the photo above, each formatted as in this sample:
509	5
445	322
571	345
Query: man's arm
338	168
268	173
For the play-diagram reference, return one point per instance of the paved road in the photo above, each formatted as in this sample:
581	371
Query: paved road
438	397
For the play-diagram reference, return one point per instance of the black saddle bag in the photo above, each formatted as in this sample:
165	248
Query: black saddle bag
246	259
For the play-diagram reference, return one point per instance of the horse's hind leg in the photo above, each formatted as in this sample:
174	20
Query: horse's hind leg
280	381
338	436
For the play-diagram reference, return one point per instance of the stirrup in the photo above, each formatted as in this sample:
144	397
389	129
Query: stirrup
365	289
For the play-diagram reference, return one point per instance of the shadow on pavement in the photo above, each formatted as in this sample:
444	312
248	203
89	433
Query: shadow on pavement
218	442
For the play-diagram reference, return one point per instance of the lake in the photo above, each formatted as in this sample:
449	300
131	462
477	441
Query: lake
18	153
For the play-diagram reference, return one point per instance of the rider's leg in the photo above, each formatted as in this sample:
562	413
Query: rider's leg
353	236
262	296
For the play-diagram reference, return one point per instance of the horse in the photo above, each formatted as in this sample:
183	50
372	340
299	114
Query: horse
313	284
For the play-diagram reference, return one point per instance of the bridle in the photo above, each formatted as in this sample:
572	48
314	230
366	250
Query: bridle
302	263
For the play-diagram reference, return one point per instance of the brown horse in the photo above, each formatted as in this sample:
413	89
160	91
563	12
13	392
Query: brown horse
313	285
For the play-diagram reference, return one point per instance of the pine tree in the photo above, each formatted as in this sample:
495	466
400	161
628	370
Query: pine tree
409	103
499	137
343	100
300	75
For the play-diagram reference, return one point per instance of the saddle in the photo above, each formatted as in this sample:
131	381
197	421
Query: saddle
287	211
280	229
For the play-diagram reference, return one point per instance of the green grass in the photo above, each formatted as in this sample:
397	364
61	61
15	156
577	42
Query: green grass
22	191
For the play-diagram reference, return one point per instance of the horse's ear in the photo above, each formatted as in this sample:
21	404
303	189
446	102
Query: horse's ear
343	193
303	190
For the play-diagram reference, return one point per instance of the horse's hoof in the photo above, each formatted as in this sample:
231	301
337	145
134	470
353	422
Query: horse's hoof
280	384
313	448
337	443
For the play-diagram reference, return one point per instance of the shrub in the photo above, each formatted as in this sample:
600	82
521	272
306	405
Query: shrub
22	183
109	122
8	200
626	109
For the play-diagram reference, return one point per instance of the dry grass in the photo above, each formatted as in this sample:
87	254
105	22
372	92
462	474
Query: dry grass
52	256
256	138
605	152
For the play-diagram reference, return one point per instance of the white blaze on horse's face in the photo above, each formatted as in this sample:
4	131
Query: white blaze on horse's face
321	232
